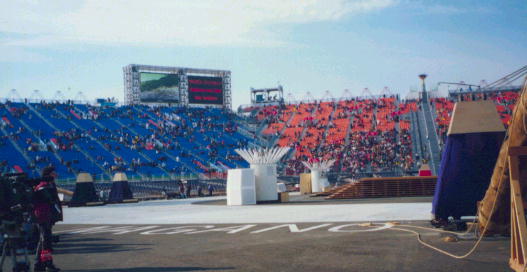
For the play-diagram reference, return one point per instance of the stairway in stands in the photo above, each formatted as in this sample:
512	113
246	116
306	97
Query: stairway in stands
326	129
121	152
124	152
168	154
93	162
244	129
304	130
430	135
56	159
274	141
13	148
38	135
416	136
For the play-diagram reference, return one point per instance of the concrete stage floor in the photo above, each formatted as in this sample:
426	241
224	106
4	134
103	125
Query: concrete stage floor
177	235
213	210
266	247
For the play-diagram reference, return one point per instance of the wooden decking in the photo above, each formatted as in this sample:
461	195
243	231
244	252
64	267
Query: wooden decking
386	187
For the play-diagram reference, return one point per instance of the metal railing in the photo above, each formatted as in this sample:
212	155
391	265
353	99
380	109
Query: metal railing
104	178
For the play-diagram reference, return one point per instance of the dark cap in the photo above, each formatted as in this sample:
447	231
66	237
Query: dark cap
48	170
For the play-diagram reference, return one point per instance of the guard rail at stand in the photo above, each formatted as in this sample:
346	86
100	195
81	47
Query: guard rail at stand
156	189
104	178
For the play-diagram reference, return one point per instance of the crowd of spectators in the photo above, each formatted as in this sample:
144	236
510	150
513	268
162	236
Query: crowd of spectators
121	131
444	107
361	134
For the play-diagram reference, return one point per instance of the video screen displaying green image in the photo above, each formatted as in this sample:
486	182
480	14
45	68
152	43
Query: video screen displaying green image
159	88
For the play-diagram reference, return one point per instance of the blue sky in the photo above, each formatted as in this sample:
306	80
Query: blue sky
310	45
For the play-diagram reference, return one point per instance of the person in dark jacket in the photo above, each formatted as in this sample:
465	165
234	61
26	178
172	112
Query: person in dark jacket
188	188
181	190
211	189
200	190
47	211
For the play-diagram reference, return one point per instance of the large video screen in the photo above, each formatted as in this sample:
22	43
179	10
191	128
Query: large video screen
205	90
159	88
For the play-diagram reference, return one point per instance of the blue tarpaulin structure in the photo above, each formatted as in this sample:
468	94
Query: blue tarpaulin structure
469	155
84	193
120	191
466	167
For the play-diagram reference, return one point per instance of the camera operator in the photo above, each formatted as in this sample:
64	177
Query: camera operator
47	211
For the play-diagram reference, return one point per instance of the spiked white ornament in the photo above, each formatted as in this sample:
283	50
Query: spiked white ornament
319	181
320	165
262	155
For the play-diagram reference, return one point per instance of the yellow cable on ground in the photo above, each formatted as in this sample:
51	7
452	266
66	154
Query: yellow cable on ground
438	249
443	251
438	230
429	245
445	231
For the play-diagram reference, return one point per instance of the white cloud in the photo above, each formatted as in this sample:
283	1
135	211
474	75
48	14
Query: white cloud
442	9
165	22
16	54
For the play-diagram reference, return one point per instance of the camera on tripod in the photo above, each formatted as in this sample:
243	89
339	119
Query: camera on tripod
16	192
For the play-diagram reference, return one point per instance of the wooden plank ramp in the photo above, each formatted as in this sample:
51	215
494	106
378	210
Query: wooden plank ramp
386	187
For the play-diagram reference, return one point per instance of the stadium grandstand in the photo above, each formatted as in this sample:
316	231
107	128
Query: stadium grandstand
141	141
368	136
374	135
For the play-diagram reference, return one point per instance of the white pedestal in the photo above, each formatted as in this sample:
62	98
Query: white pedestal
281	187
315	181
324	183
265	180
241	187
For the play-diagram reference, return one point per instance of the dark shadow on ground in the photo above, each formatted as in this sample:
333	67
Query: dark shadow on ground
65	239
86	248
70	245
155	269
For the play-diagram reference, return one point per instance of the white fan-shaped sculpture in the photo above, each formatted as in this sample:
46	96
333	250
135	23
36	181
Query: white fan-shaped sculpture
318	180
263	162
262	155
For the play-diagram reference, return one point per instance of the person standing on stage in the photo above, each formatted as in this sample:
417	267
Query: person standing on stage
47	211
210	189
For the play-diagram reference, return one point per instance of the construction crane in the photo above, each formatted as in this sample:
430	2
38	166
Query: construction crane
510	78
458	83
501	83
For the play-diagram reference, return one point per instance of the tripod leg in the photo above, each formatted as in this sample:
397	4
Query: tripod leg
38	250
4	249
12	249
26	258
